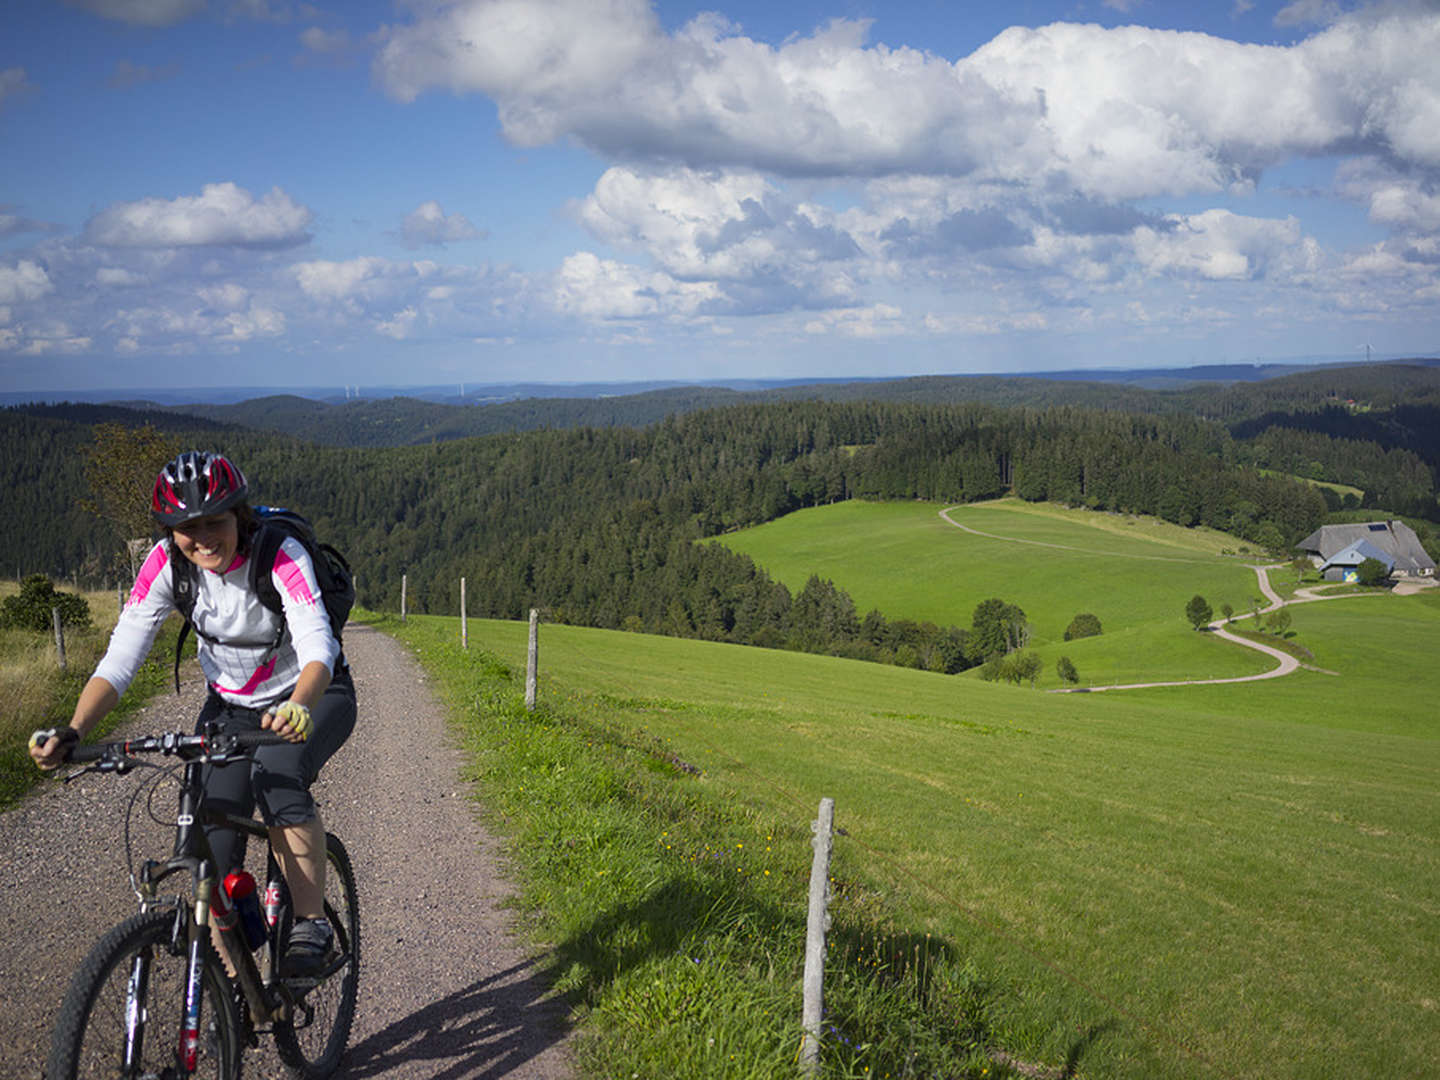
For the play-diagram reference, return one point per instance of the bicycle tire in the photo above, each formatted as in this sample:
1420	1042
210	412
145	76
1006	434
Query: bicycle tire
89	1036
312	1042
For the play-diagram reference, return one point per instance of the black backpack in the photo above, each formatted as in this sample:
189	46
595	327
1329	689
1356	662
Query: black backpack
332	574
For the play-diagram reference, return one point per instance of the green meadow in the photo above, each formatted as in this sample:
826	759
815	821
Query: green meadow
1238	881
1134	574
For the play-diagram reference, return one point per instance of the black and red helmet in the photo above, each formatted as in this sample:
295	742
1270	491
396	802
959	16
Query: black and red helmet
194	485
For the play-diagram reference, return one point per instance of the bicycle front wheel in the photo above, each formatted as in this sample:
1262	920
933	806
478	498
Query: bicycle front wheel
124	1011
312	1041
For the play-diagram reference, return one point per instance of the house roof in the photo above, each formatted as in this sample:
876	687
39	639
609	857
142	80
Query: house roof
1394	538
1357	553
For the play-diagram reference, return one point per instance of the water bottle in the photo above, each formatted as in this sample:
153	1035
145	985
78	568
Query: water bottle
240	888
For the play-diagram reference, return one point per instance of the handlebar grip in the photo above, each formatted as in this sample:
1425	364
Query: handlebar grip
83	752
258	738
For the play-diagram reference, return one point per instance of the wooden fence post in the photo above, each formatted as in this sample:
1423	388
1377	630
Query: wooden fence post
59	636
817	923
404	585
532	661
464	623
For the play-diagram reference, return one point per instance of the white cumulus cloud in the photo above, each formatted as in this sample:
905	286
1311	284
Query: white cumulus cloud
1217	245
221	215
596	288
716	225
1114	113
428	224
24	281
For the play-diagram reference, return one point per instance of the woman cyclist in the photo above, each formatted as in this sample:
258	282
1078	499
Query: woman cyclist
299	688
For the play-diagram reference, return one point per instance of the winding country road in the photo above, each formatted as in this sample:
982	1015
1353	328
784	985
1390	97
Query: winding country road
1285	663
447	988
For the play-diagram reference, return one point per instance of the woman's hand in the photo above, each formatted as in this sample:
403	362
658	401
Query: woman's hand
50	747
290	720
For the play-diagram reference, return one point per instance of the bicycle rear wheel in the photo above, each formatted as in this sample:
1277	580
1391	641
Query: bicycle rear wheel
94	1025
312	1042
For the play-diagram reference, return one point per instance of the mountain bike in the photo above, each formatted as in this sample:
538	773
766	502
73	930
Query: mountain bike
154	1000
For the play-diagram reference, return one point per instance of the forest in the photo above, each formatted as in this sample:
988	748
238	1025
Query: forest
598	525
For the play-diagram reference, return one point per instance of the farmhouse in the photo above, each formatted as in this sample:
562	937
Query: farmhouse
1340	549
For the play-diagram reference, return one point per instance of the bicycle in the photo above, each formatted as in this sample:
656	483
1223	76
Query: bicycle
152	1000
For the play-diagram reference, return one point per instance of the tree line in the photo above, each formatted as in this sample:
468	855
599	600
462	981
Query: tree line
603	526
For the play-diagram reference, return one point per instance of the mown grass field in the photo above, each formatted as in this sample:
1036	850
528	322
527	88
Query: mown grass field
1189	882
1134	574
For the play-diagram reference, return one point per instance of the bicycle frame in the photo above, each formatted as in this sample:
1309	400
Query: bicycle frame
267	997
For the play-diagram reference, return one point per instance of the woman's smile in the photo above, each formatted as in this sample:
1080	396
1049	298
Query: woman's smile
209	542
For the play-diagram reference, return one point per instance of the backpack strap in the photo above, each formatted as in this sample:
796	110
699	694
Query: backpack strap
264	549
182	588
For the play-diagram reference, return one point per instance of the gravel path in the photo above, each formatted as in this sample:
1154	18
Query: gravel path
446	988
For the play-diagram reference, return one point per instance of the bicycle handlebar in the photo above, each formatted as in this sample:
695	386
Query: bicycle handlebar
185	747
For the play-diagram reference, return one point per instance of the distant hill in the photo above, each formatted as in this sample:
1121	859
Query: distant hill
1249	399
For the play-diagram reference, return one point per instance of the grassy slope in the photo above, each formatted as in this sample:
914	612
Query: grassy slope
1248	872
1134	574
35	693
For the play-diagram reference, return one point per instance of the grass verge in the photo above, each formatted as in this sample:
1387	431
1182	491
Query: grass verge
35	693
675	915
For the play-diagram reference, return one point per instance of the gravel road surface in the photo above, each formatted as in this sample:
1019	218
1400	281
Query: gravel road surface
448	989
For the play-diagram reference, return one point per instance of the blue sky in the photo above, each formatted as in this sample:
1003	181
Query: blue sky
258	192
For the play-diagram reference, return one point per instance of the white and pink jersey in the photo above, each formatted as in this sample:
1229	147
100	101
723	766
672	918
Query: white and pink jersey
240	668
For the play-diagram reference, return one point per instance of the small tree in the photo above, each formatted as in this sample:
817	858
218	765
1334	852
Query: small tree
1372	572
1227	610
120	468
1028	665
995	669
1279	621
1199	612
1082	626
1066	670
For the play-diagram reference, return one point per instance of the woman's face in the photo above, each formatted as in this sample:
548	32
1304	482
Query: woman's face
209	542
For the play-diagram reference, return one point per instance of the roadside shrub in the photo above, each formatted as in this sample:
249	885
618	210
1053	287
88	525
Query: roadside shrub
1065	668
30	608
1082	626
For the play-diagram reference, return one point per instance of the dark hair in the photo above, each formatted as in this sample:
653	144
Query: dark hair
247	523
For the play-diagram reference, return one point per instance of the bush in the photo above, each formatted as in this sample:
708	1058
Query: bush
1065	668
30	609
1372	572
1082	626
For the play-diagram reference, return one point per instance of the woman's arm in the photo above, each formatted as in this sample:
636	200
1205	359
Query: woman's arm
96	700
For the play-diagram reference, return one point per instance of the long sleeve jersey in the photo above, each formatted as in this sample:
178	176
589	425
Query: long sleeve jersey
240	663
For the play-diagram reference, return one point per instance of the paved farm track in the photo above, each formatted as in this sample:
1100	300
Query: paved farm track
446	988
1285	663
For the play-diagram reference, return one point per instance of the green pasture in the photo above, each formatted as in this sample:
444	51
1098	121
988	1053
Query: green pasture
1135	574
1233	881
1340	489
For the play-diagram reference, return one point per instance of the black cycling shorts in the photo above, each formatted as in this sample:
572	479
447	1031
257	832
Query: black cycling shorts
276	779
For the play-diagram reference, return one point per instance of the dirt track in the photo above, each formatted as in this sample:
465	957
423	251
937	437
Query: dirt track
446	990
